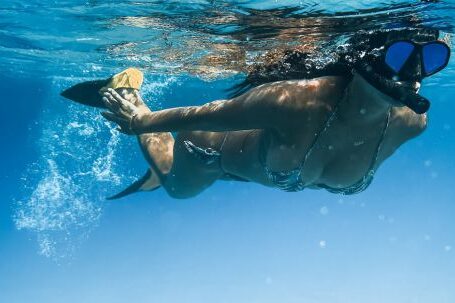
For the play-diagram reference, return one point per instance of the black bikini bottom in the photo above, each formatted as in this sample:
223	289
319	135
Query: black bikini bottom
209	156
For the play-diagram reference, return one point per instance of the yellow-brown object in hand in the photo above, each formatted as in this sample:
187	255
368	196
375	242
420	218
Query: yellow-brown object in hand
129	78
87	92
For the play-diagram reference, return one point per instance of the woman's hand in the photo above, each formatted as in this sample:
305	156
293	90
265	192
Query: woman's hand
126	108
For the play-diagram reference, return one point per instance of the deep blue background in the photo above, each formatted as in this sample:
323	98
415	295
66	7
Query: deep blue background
241	242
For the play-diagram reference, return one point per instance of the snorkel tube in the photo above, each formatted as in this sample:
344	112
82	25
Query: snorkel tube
402	93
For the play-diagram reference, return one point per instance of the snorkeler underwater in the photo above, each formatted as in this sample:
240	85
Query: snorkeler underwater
227	151
331	131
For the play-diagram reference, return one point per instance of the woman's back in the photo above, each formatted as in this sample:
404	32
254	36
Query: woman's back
326	151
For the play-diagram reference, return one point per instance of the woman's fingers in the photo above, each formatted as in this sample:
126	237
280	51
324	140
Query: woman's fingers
125	105
114	104
111	103
102	90
116	100
122	112
108	104
115	94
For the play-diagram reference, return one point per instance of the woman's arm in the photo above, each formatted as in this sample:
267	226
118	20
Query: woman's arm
259	108
262	107
278	105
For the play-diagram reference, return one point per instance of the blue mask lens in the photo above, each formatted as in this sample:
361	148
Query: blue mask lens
397	55
435	57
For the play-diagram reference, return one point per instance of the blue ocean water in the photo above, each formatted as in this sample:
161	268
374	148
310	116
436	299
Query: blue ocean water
61	241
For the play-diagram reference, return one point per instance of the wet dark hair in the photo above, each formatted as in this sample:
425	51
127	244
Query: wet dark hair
360	49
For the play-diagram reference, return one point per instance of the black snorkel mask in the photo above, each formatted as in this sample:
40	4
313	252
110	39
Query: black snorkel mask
405	62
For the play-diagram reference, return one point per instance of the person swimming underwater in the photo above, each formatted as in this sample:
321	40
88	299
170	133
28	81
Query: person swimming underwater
326	128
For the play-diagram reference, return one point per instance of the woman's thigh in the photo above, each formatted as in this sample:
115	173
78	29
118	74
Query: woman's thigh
191	171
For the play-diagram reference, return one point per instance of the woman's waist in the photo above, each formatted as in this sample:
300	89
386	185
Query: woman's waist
240	155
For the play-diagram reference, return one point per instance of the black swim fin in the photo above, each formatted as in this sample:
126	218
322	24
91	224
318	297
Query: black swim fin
86	93
148	182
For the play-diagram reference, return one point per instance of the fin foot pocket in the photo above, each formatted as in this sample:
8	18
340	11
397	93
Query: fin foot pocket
87	92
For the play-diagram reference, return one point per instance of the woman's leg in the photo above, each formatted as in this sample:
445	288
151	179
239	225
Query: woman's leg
173	164
157	149
182	173
191	173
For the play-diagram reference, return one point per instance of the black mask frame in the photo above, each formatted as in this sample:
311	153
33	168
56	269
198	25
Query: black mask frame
412	58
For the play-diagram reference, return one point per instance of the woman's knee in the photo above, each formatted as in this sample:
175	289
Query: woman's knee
194	168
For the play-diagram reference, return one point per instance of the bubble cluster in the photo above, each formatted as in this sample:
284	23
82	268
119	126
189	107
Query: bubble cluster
82	158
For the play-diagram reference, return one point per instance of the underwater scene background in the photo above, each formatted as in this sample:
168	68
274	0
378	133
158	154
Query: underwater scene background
61	241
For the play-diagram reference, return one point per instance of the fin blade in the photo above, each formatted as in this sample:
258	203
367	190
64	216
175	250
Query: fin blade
146	183
86	93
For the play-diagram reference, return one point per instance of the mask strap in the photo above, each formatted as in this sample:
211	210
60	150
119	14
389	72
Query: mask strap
414	101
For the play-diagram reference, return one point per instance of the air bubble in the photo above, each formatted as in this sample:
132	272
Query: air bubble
324	210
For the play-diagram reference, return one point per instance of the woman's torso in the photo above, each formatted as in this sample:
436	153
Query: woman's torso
327	151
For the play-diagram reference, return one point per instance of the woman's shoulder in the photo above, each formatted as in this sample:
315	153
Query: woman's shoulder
306	104
409	123
404	125
327	82
306	94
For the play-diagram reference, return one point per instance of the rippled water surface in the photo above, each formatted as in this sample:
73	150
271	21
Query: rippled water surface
207	38
393	243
